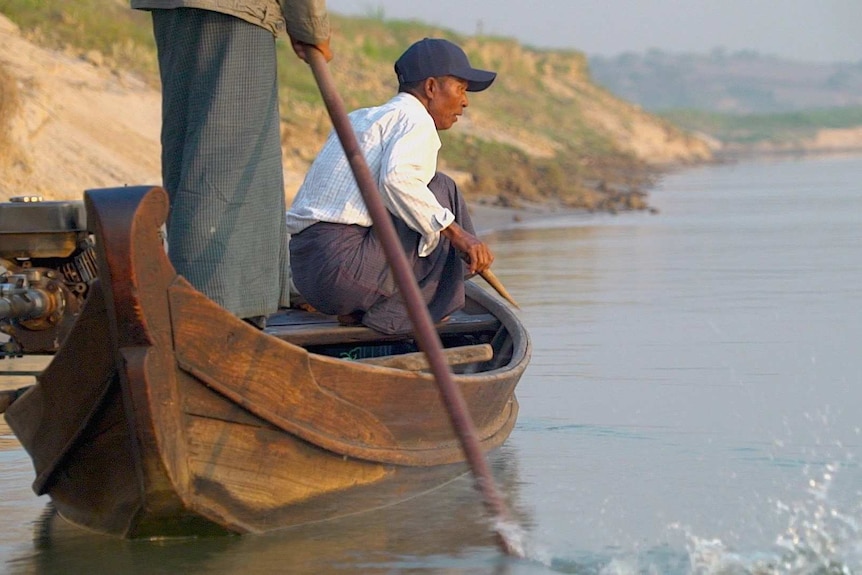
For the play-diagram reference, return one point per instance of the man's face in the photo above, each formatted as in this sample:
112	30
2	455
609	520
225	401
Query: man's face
447	98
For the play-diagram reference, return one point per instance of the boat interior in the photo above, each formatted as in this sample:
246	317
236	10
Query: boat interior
473	340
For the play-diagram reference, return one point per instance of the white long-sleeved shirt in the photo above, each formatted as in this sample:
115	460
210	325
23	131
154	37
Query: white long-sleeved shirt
400	145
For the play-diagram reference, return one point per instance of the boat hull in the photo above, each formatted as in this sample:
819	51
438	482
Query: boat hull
163	415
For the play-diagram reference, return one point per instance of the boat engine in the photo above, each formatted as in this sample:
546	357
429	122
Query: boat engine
47	264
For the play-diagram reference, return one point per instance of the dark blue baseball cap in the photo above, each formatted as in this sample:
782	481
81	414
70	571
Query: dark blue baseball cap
432	57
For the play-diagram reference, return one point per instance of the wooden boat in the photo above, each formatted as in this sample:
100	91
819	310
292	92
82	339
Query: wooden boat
162	414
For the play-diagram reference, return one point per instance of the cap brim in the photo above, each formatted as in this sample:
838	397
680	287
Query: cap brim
477	80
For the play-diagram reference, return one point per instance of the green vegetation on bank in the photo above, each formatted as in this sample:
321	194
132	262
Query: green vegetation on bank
538	139
122	35
753	128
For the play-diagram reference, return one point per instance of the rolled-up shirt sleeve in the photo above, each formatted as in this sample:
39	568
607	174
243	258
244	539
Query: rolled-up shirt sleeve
307	20
408	163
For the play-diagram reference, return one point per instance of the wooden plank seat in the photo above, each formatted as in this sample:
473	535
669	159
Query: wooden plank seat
307	328
418	361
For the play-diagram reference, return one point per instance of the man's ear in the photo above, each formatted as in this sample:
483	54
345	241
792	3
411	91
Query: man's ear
430	86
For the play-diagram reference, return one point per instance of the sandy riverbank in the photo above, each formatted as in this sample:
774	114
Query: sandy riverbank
80	125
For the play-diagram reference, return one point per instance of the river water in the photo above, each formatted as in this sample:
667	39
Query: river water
692	407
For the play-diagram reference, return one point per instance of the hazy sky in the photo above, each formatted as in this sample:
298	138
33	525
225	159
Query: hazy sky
809	30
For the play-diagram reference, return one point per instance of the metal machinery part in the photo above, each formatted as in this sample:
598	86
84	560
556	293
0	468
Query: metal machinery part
47	264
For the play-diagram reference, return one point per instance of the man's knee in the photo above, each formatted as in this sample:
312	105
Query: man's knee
444	189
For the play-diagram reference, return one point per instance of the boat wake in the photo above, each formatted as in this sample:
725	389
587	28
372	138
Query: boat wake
821	537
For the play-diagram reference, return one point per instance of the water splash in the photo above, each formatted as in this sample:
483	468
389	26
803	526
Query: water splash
514	535
820	539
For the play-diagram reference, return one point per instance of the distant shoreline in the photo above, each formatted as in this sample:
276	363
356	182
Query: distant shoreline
489	219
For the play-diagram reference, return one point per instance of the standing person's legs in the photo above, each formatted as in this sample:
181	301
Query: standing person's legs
221	158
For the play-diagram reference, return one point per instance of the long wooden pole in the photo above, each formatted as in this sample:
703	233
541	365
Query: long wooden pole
495	283
423	325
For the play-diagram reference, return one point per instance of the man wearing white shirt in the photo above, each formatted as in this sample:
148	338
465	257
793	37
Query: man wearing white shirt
337	261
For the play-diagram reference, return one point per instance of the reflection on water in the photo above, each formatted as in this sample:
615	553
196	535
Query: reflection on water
428	527
691	406
11	377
